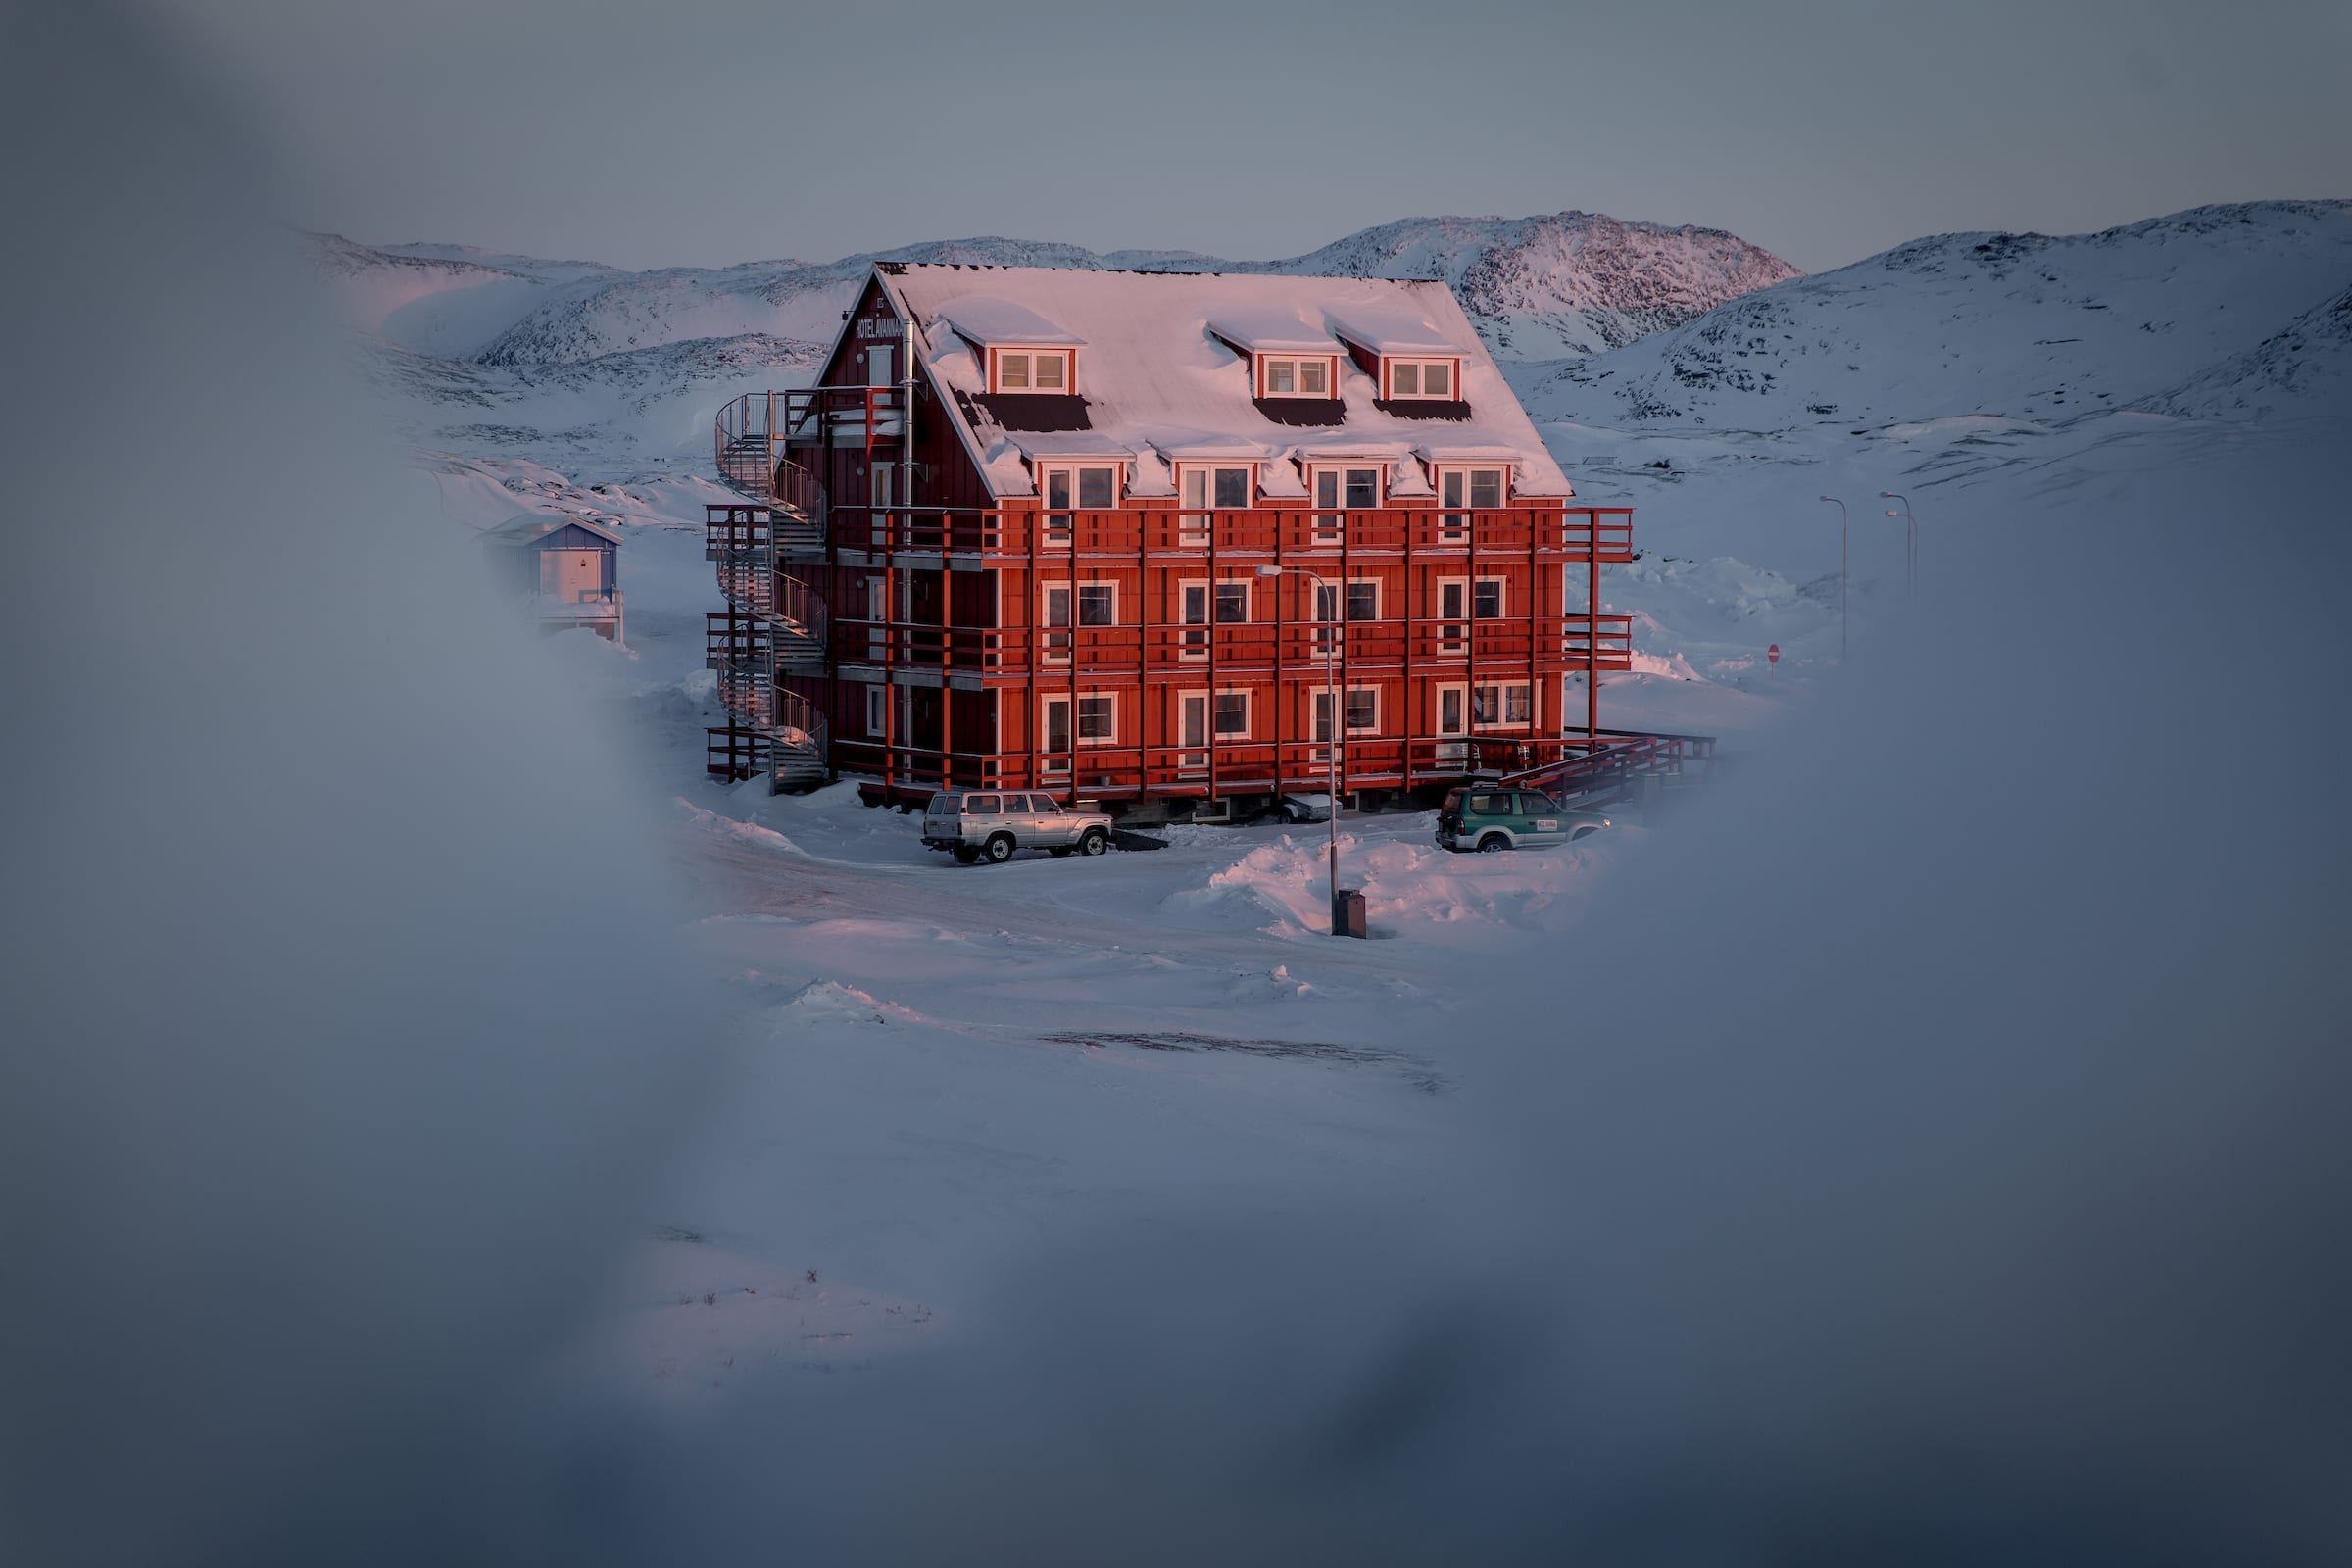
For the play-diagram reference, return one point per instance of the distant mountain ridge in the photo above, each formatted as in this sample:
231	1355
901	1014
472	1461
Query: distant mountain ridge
2236	309
1540	287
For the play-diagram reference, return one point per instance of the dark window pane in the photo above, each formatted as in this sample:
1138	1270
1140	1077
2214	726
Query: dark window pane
1327	489
1093	487
1361	708
1438	379
1486	487
1097	606
1233	713
1232	603
1233	487
1364	601
1364	487
1487	601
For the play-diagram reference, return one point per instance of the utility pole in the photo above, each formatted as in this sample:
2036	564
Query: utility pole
1910	540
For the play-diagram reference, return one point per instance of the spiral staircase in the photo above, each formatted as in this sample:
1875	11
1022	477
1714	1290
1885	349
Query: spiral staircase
775	626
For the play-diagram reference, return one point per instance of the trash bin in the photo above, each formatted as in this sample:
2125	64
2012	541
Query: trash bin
1348	913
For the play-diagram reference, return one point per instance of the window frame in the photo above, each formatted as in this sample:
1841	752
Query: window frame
1219	736
1389	365
1348	599
1502	705
1453	636
1503	597
1057	524
1080	594
1078	701
1455	525
1195	522
1048	652
1297	364
877	712
1029	356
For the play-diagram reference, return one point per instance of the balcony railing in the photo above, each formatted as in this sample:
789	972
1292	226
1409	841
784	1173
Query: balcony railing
1552	643
1572	534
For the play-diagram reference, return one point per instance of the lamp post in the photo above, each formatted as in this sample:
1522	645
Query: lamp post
1841	574
1910	540
1330	700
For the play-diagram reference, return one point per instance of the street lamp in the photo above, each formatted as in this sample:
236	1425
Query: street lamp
1841	574
1910	540
1330	700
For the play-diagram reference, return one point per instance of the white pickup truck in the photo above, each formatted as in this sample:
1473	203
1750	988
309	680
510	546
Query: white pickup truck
993	824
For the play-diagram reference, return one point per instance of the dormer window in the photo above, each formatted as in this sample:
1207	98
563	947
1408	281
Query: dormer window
1422	378
1048	370
1287	377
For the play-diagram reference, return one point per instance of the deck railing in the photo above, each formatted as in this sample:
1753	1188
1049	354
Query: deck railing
1500	535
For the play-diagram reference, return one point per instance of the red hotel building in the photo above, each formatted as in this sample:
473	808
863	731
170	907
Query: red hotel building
1113	534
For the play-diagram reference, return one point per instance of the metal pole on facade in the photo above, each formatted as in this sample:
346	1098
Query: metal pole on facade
1910	540
1841	574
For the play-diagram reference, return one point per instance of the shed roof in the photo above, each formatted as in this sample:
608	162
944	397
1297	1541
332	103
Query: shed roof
1161	375
533	527
1270	331
990	322
1386	330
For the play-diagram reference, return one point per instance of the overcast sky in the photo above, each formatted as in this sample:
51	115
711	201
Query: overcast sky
705	132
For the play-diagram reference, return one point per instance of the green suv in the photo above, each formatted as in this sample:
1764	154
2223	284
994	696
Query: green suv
1489	817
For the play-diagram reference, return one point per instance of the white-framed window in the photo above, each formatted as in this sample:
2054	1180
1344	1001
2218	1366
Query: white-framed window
1360	705
1205	489
1354	489
1054	617
1453	614
1054	733
1452	720
1229	716
1033	370
1363	599
1079	487
877	712
1487	600
1098	604
1461	491
1098	716
1191	731
1502	705
877	615
1283	375
1193	611
1421	378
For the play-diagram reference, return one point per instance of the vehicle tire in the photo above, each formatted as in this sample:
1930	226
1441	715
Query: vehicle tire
1492	843
1093	841
997	848
965	855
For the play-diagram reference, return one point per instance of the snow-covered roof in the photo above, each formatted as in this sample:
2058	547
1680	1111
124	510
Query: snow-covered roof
1270	331
1394	331
1160	379
532	526
991	322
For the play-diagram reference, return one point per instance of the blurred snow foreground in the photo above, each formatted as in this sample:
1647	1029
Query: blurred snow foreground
1936	1158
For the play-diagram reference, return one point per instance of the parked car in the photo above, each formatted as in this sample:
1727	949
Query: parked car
990	824
1488	818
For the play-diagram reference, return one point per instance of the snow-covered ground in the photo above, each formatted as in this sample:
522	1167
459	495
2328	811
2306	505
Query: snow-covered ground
941	1070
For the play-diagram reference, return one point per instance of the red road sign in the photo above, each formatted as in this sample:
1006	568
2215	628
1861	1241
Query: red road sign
1773	653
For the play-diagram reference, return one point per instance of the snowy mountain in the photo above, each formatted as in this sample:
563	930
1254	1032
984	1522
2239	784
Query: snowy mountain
1566	283
1537	287
2305	370
2017	325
